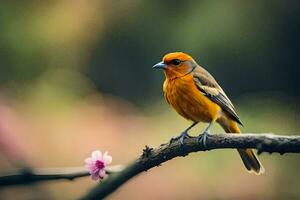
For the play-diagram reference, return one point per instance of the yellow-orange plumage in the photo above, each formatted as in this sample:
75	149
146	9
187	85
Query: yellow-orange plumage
196	96
186	99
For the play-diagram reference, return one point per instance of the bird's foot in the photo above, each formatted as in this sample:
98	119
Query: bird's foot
203	138
181	137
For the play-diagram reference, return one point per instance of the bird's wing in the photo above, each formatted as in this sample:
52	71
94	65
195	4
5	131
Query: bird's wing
210	88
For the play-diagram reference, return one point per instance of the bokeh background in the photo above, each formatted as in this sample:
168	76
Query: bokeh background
75	76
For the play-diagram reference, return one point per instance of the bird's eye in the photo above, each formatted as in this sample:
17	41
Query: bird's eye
176	61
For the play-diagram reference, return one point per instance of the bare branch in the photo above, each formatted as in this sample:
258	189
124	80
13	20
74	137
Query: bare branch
27	175
155	157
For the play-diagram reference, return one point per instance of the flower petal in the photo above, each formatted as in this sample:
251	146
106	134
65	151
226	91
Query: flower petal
102	173
96	155
106	158
89	165
89	168
95	177
88	161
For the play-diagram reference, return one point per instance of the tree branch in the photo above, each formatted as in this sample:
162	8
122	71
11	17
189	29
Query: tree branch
27	175
155	157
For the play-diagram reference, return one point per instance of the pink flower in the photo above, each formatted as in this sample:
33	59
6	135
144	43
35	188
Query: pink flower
97	163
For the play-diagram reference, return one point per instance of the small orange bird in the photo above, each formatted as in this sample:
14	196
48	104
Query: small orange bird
195	94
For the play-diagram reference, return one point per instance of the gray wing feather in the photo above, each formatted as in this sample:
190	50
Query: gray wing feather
210	88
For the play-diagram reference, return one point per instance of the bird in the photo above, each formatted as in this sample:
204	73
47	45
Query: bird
194	93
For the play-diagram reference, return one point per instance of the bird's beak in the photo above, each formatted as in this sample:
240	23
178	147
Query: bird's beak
160	65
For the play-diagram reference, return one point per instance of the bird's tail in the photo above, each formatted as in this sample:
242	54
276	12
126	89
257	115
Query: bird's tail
249	158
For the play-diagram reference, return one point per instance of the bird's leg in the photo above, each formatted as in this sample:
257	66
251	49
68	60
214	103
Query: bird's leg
204	135
184	134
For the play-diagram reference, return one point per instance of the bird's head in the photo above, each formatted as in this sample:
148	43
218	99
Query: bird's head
176	65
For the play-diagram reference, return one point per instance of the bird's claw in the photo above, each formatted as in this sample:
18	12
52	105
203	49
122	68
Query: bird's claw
203	138
181	137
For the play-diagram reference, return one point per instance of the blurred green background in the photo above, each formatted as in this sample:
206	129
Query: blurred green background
76	76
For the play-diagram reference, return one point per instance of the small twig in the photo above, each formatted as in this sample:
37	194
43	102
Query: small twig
27	175
155	157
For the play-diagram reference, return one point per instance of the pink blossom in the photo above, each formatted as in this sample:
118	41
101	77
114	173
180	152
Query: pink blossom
97	163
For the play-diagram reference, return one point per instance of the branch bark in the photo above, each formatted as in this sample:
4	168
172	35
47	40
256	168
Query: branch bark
27	175
155	157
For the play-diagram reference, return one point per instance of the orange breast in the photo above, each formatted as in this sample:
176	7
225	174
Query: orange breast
183	95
